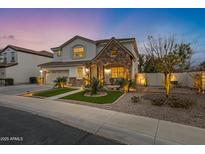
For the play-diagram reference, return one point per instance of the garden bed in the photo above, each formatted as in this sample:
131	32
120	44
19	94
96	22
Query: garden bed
53	92
109	98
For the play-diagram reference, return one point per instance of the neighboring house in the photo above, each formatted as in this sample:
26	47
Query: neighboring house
80	58
20	63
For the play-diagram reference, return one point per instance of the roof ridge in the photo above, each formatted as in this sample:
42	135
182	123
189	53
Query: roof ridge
40	53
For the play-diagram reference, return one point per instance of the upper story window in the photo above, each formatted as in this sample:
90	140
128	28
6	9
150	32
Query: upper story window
78	52
12	56
114	53
59	53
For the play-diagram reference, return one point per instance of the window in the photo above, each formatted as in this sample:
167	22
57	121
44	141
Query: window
114	53
78	52
12	56
1	58
79	72
59	53
5	58
117	72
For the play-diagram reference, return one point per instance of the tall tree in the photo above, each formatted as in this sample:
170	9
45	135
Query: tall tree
202	65
146	64
167	55
184	53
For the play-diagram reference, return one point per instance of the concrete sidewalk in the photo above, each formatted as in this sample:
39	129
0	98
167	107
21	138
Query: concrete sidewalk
64	94
126	128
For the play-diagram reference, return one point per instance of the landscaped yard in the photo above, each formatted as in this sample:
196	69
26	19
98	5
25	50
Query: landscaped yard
109	98
194	115
53	92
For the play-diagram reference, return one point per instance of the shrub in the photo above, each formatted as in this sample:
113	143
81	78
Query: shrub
33	80
60	82
135	99
111	81
128	84
9	81
120	82
175	102
158	102
95	86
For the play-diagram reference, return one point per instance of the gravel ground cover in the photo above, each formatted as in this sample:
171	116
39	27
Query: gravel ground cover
194	116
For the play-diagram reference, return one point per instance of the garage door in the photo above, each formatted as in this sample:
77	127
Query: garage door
52	75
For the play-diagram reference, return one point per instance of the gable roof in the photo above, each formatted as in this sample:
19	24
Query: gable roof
72	39
20	49
121	40
100	42
109	43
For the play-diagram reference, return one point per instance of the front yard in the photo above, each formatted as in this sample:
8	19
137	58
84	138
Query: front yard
53	92
194	115
109	98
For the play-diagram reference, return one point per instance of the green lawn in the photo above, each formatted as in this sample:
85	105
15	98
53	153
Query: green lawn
53	92
109	98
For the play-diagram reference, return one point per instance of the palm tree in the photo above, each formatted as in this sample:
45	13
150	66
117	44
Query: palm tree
60	82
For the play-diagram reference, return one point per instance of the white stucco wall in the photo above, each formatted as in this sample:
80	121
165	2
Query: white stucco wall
157	79
2	73
27	67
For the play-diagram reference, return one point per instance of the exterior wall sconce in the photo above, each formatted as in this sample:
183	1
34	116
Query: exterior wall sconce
86	70
107	71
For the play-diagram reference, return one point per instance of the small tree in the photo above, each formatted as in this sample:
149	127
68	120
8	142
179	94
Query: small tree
198	80
167	56
60	82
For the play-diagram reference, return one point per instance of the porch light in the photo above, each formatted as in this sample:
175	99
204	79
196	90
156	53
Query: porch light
86	70
107	71
41	71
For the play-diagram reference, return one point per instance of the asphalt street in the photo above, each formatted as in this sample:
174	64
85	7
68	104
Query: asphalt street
18	127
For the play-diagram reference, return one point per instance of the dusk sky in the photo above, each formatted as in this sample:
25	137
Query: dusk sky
41	29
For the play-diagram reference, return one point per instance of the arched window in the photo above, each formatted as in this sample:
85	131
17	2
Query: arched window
78	52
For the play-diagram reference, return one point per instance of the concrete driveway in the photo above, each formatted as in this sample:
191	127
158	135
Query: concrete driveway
19	89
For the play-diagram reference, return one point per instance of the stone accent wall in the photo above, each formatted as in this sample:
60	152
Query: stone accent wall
122	58
75	82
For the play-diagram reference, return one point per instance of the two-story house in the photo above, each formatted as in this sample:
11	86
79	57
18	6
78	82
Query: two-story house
81	57
20	63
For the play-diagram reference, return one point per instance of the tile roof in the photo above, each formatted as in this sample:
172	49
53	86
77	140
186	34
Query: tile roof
40	53
63	64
